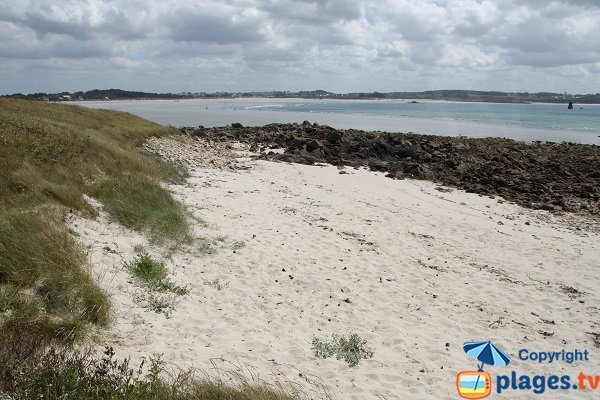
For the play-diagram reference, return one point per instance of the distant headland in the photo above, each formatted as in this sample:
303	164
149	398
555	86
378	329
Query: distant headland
448	95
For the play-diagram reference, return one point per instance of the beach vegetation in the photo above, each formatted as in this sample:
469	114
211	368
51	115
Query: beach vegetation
158	291
206	246
217	284
237	244
65	373
351	349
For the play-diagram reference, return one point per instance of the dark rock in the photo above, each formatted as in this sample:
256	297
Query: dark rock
237	125
377	165
333	136
313	145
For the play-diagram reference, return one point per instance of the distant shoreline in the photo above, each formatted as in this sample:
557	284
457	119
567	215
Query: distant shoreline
405	100
445	95
408	100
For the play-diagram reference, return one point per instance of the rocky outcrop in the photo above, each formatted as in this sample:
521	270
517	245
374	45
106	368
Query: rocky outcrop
550	176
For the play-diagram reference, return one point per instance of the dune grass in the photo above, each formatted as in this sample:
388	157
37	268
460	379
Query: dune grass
50	156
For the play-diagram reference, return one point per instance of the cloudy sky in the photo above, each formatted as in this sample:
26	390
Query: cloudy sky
337	45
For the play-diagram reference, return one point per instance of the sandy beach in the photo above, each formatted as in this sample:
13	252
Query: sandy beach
299	200
307	251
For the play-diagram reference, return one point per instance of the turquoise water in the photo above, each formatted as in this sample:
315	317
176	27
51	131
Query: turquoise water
526	122
540	116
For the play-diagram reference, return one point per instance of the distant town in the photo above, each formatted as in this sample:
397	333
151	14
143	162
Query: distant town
449	95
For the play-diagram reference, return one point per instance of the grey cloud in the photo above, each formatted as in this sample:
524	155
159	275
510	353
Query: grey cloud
533	35
274	55
211	27
66	49
313	12
426	54
115	24
414	24
542	42
317	35
347	43
44	25
81	49
167	49
344	9
472	29
551	59
118	24
540	4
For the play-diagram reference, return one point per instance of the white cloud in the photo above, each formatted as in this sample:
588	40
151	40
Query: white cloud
341	45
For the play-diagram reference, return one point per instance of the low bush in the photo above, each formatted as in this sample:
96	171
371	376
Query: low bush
351	349
68	374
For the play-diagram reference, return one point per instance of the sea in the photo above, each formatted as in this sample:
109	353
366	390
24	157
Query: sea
524	122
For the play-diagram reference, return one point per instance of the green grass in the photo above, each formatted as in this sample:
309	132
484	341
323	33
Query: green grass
142	204
50	156
351	349
153	274
42	276
158	292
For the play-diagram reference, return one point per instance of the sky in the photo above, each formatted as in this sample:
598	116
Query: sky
335	45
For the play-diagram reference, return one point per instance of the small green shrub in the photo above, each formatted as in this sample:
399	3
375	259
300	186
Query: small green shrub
160	303
147	269
351	350
152	276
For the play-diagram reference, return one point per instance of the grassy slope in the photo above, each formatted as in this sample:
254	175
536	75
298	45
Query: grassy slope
50	156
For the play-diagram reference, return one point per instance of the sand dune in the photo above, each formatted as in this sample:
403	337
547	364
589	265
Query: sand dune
305	251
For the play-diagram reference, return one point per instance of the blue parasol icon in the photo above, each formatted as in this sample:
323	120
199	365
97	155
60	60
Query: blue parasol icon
487	353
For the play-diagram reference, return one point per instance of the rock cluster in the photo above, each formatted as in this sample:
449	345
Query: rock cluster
550	176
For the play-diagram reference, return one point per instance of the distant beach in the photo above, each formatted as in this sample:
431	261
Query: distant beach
527	122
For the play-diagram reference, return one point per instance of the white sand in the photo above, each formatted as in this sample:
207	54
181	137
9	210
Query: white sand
421	269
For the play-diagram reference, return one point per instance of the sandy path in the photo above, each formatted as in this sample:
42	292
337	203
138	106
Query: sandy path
424	271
